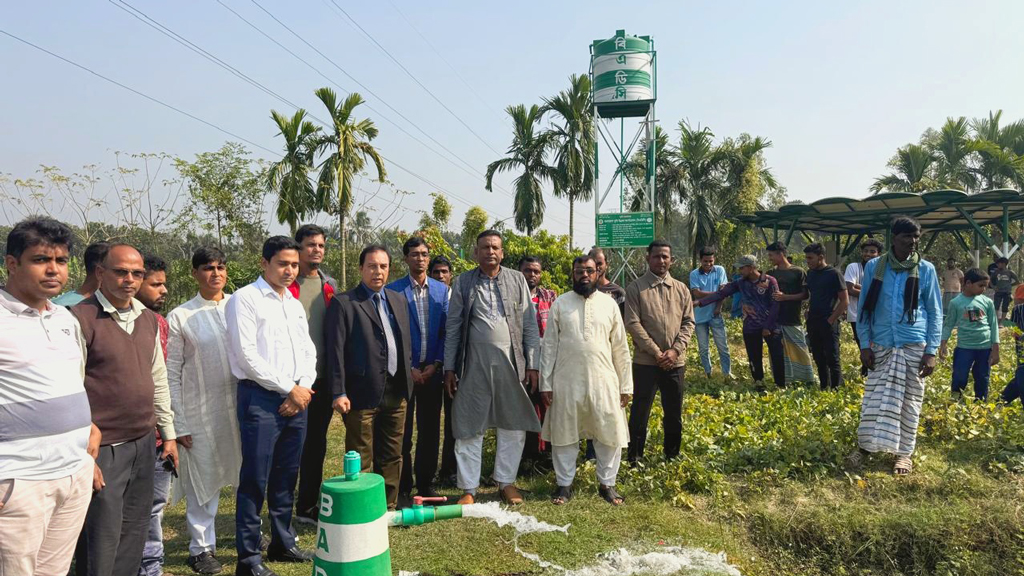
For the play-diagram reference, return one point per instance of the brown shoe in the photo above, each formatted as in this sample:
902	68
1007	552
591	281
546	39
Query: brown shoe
467	498
510	495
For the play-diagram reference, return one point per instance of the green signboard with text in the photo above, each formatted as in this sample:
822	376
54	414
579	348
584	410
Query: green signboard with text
625	229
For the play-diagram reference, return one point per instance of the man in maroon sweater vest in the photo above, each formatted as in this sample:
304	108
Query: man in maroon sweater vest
126	381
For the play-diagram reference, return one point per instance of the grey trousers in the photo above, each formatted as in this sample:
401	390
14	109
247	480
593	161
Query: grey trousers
117	523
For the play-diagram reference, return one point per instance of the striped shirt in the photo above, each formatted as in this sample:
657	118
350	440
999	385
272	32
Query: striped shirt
44	410
421	297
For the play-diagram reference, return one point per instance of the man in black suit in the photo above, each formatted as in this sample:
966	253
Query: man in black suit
368	348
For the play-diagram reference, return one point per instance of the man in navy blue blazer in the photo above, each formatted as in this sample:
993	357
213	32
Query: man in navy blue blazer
428	313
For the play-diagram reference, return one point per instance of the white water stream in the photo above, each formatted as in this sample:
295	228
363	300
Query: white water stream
666	560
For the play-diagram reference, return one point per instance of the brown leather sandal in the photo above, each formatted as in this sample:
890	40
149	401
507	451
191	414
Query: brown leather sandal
510	495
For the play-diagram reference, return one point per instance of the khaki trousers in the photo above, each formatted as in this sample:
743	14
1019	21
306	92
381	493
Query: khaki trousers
376	434
40	521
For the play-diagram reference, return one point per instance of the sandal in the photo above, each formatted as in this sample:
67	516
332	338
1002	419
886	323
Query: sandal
510	495
855	460
561	495
903	466
610	495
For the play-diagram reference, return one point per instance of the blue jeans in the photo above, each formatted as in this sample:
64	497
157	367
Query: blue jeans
1015	389
153	551
271	448
965	362
716	327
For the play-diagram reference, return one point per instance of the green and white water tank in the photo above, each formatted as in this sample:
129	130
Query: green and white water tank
623	73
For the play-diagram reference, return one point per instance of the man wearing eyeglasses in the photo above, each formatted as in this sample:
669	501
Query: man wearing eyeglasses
126	381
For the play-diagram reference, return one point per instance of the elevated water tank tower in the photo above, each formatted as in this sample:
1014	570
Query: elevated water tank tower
624	84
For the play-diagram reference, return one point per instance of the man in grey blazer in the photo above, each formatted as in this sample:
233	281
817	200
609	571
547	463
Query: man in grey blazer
491	367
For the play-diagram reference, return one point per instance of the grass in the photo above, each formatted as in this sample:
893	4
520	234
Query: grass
760	478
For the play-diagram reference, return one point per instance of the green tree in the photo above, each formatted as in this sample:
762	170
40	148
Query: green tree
573	143
1000	150
911	171
289	177
440	213
347	147
953	149
527	154
473	224
699	180
665	178
226	195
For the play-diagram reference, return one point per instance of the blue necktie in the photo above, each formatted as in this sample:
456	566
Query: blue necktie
388	334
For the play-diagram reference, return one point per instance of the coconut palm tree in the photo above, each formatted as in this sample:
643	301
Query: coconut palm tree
911	171
526	153
746	175
347	147
1000	150
699	180
573	143
289	176
666	176
953	149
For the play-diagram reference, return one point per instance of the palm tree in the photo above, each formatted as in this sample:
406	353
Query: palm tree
911	171
700	183
746	175
952	148
573	143
666	176
526	153
289	176
347	148
1000	149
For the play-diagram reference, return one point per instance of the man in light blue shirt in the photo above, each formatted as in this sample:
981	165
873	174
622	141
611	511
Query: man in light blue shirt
93	256
704	282
900	328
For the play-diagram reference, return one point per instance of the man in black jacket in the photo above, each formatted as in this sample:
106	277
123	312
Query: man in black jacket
367	340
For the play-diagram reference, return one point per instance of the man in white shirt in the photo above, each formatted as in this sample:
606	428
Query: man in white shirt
869	250
47	441
274	359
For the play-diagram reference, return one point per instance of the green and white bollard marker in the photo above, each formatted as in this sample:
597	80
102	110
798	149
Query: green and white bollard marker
352	535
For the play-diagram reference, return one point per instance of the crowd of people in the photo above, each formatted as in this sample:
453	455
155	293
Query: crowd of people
104	401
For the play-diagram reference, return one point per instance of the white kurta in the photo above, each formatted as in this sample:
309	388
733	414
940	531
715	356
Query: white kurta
586	365
204	398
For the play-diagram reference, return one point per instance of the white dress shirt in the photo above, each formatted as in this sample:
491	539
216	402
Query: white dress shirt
268	339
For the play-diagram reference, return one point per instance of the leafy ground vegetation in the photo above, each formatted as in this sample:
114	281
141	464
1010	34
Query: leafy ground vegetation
760	478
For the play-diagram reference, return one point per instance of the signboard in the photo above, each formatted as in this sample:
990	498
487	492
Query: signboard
625	229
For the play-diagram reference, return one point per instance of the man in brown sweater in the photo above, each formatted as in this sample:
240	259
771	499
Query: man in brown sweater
126	381
659	317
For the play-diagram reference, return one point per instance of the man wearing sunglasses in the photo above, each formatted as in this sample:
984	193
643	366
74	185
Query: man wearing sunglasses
126	381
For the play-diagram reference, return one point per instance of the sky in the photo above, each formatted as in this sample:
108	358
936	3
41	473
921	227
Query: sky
837	87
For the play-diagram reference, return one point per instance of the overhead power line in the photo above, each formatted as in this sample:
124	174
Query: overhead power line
207	122
376	96
413	76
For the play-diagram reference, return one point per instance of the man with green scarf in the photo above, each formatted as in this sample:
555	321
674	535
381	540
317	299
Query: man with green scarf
900	327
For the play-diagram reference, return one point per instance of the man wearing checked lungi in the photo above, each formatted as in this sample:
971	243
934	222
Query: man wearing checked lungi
900	327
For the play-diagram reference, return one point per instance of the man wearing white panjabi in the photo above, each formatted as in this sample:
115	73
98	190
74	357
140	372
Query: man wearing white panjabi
586	380
204	398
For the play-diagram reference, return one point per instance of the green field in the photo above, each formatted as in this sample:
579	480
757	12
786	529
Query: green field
761	479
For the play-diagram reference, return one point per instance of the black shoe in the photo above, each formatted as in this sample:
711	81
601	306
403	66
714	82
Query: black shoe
264	542
293	554
310	517
427	492
253	570
205	563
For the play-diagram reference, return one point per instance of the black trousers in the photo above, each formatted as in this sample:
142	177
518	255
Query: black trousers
824	344
425	406
314	450
117	523
647	381
752	341
448	465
